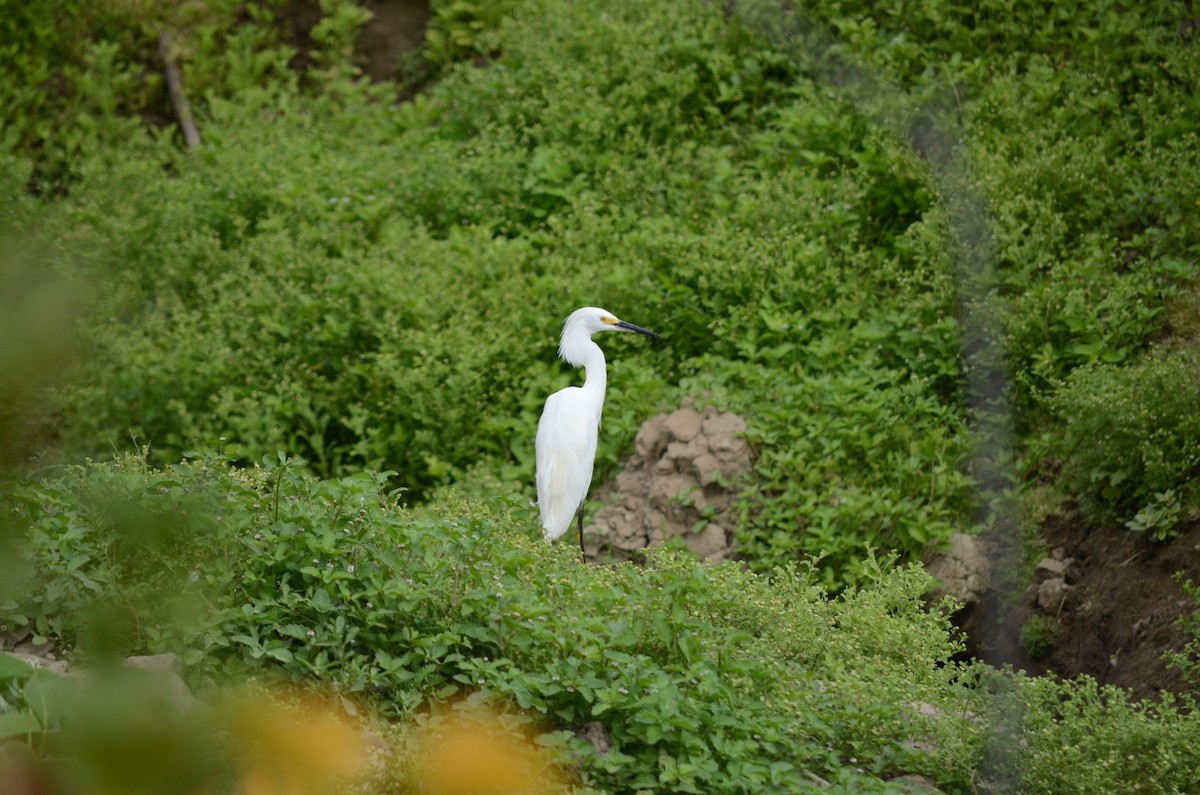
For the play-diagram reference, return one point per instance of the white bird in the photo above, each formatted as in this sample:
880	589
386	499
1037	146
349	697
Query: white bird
570	423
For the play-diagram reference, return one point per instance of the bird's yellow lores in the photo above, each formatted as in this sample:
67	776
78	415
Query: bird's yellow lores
570	423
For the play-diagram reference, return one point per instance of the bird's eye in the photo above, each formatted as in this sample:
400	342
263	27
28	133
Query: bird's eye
608	321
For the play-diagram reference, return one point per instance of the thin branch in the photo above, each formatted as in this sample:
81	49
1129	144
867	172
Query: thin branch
183	110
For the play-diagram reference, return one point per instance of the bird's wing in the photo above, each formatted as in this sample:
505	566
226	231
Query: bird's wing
566	452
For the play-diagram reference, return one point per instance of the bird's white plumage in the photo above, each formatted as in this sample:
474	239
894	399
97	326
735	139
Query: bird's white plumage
570	423
566	453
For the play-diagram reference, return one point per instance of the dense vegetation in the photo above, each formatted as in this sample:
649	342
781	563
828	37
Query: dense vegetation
710	679
339	283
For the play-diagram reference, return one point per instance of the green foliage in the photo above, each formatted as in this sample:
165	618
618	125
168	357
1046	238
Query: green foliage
1080	738
1187	659
1133	436
289	295
1038	636
1097	175
709	678
84	77
463	29
33	702
375	286
360	286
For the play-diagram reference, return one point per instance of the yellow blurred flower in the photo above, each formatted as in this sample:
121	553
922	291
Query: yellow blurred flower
293	748
474	753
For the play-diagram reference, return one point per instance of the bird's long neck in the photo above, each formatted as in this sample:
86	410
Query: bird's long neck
596	380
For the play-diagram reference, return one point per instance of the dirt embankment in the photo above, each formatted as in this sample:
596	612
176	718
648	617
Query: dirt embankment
1114	604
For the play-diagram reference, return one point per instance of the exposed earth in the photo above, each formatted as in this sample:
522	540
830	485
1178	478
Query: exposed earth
1115	604
679	484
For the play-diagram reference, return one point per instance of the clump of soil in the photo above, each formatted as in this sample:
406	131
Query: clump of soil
396	27
1113	600
679	484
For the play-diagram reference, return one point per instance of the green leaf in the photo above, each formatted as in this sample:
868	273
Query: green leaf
16	724
280	653
49	696
13	667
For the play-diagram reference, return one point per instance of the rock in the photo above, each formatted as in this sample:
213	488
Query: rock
35	661
914	783
648	437
961	569
1051	594
1054	567
686	469
166	667
168	662
595	734
683	424
710	542
45	649
10	638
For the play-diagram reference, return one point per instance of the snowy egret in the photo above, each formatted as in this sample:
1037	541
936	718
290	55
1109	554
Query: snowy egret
570	423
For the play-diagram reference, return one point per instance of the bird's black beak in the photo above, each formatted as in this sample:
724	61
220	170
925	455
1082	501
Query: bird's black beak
621	324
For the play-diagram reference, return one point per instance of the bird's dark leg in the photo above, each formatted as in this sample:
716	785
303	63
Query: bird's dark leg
579	531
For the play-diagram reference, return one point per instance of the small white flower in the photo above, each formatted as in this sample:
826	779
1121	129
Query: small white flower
350	568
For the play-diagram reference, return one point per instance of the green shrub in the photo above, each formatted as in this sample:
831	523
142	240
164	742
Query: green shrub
708	678
402	313
461	30
1079	737
1133	436
377	285
1187	659
1038	635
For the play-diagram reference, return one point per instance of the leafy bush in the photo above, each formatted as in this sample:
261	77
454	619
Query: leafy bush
708	678
1187	659
462	29
288	295
1133	436
1080	737
378	286
373	285
1038	635
83	75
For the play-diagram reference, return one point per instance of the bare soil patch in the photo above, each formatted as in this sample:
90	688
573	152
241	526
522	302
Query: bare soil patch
1116	612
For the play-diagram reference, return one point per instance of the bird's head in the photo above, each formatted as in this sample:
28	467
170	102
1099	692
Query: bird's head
581	324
